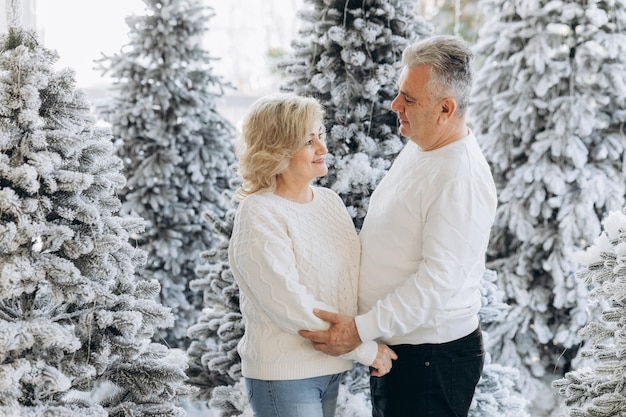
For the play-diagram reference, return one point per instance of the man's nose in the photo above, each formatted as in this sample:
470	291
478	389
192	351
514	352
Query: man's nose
395	104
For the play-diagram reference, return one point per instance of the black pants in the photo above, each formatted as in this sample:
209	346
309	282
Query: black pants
430	380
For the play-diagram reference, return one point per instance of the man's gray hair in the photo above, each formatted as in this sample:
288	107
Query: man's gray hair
450	60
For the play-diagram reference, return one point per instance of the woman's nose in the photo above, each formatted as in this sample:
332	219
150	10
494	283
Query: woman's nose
322	148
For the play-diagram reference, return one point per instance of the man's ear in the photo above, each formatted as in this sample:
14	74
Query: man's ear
448	107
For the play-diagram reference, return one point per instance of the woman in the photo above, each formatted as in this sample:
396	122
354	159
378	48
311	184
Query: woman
293	248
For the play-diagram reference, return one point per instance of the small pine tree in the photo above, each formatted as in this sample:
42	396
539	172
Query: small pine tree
176	147
598	390
549	113
73	316
348	56
213	358
496	394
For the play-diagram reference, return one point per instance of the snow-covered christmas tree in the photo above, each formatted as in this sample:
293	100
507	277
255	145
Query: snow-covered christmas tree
76	323
497	393
549	109
348	56
598	390
213	359
176	147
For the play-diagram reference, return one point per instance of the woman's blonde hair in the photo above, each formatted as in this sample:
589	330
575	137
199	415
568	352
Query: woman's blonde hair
275	128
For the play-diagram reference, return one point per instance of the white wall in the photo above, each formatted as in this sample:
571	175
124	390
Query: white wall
82	30
240	35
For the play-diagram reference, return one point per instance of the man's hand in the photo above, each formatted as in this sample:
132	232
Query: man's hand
342	336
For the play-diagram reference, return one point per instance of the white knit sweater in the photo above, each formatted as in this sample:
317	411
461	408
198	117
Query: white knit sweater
423	246
289	258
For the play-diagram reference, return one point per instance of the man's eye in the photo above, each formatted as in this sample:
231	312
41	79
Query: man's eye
408	99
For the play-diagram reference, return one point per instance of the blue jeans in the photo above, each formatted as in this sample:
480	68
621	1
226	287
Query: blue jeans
310	397
430	380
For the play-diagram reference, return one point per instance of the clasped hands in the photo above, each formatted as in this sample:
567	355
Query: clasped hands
342	337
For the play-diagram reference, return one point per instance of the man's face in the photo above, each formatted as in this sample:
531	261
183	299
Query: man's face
417	111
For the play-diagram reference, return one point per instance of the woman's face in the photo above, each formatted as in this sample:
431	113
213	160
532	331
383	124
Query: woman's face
309	162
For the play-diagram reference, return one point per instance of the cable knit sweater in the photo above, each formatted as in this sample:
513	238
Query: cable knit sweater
289	258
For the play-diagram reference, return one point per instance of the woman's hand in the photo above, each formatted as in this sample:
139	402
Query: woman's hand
383	361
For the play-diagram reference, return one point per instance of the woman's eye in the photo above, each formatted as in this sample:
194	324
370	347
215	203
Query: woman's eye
309	142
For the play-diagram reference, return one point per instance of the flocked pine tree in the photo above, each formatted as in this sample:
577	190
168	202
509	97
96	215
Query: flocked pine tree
74	317
598	390
348	56
497	393
176	147
549	112
213	359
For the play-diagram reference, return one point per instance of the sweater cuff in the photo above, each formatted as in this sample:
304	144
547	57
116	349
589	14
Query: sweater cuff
367	326
364	354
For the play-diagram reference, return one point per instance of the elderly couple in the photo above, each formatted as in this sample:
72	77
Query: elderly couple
316	296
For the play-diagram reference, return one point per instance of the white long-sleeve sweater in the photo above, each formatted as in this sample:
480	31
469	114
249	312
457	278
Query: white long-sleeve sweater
423	246
289	258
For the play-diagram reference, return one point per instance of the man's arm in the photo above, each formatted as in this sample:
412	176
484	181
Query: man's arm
340	338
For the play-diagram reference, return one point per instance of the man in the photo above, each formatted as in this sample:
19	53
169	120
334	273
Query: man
423	245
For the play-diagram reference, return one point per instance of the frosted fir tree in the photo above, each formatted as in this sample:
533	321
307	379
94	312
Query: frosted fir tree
176	147
496	394
598	390
213	359
348	56
75	321
549	112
